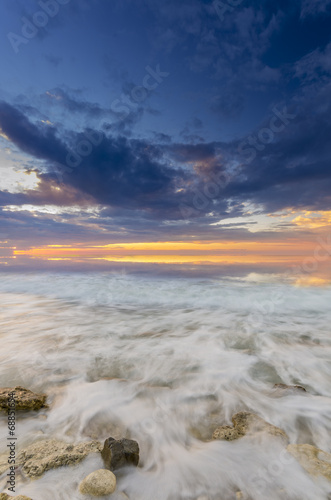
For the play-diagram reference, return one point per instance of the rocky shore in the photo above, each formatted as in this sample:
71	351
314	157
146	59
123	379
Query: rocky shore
45	455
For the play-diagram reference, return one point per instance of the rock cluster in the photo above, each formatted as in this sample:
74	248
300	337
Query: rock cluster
315	461
248	423
51	454
116	453
24	399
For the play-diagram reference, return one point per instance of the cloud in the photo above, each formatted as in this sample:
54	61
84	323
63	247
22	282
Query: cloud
314	7
315	66
61	97
154	178
229	104
53	60
39	141
118	172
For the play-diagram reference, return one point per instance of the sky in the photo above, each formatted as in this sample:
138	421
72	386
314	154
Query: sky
158	132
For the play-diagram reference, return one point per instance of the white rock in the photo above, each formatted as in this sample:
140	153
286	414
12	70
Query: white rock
99	483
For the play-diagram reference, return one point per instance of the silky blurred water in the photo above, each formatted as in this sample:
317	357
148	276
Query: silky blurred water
164	361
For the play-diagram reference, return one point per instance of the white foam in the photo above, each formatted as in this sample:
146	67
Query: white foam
158	358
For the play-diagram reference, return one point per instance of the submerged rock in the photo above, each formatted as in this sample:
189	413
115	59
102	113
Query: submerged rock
119	453
291	388
247	423
4	466
4	496
315	461
99	483
119	495
51	454
23	399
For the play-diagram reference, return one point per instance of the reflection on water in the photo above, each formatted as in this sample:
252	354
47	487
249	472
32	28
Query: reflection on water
165	362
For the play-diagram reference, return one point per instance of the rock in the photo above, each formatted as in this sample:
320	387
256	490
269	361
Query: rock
119	495
291	388
119	453
24	399
102	425
247	423
315	461
99	483
4	496
51	454
3	465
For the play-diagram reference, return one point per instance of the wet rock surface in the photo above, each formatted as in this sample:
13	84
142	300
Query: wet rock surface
4	496
99	483
120	453
51	454
315	461
3	465
289	388
25	400
245	423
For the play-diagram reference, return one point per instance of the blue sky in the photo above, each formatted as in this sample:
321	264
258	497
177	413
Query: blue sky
153	100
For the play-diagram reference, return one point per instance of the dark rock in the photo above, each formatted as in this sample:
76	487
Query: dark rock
290	387
18	398
120	453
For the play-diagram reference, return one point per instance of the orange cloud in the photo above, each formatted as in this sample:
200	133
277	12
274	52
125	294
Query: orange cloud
313	220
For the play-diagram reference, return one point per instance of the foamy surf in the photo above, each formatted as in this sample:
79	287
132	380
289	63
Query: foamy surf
165	361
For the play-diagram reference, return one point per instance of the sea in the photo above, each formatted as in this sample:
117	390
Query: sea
165	360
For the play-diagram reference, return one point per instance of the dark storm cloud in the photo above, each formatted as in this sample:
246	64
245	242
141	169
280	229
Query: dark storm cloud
155	177
294	170
117	172
39	141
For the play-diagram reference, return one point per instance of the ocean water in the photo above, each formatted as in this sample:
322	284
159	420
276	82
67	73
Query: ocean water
165	361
